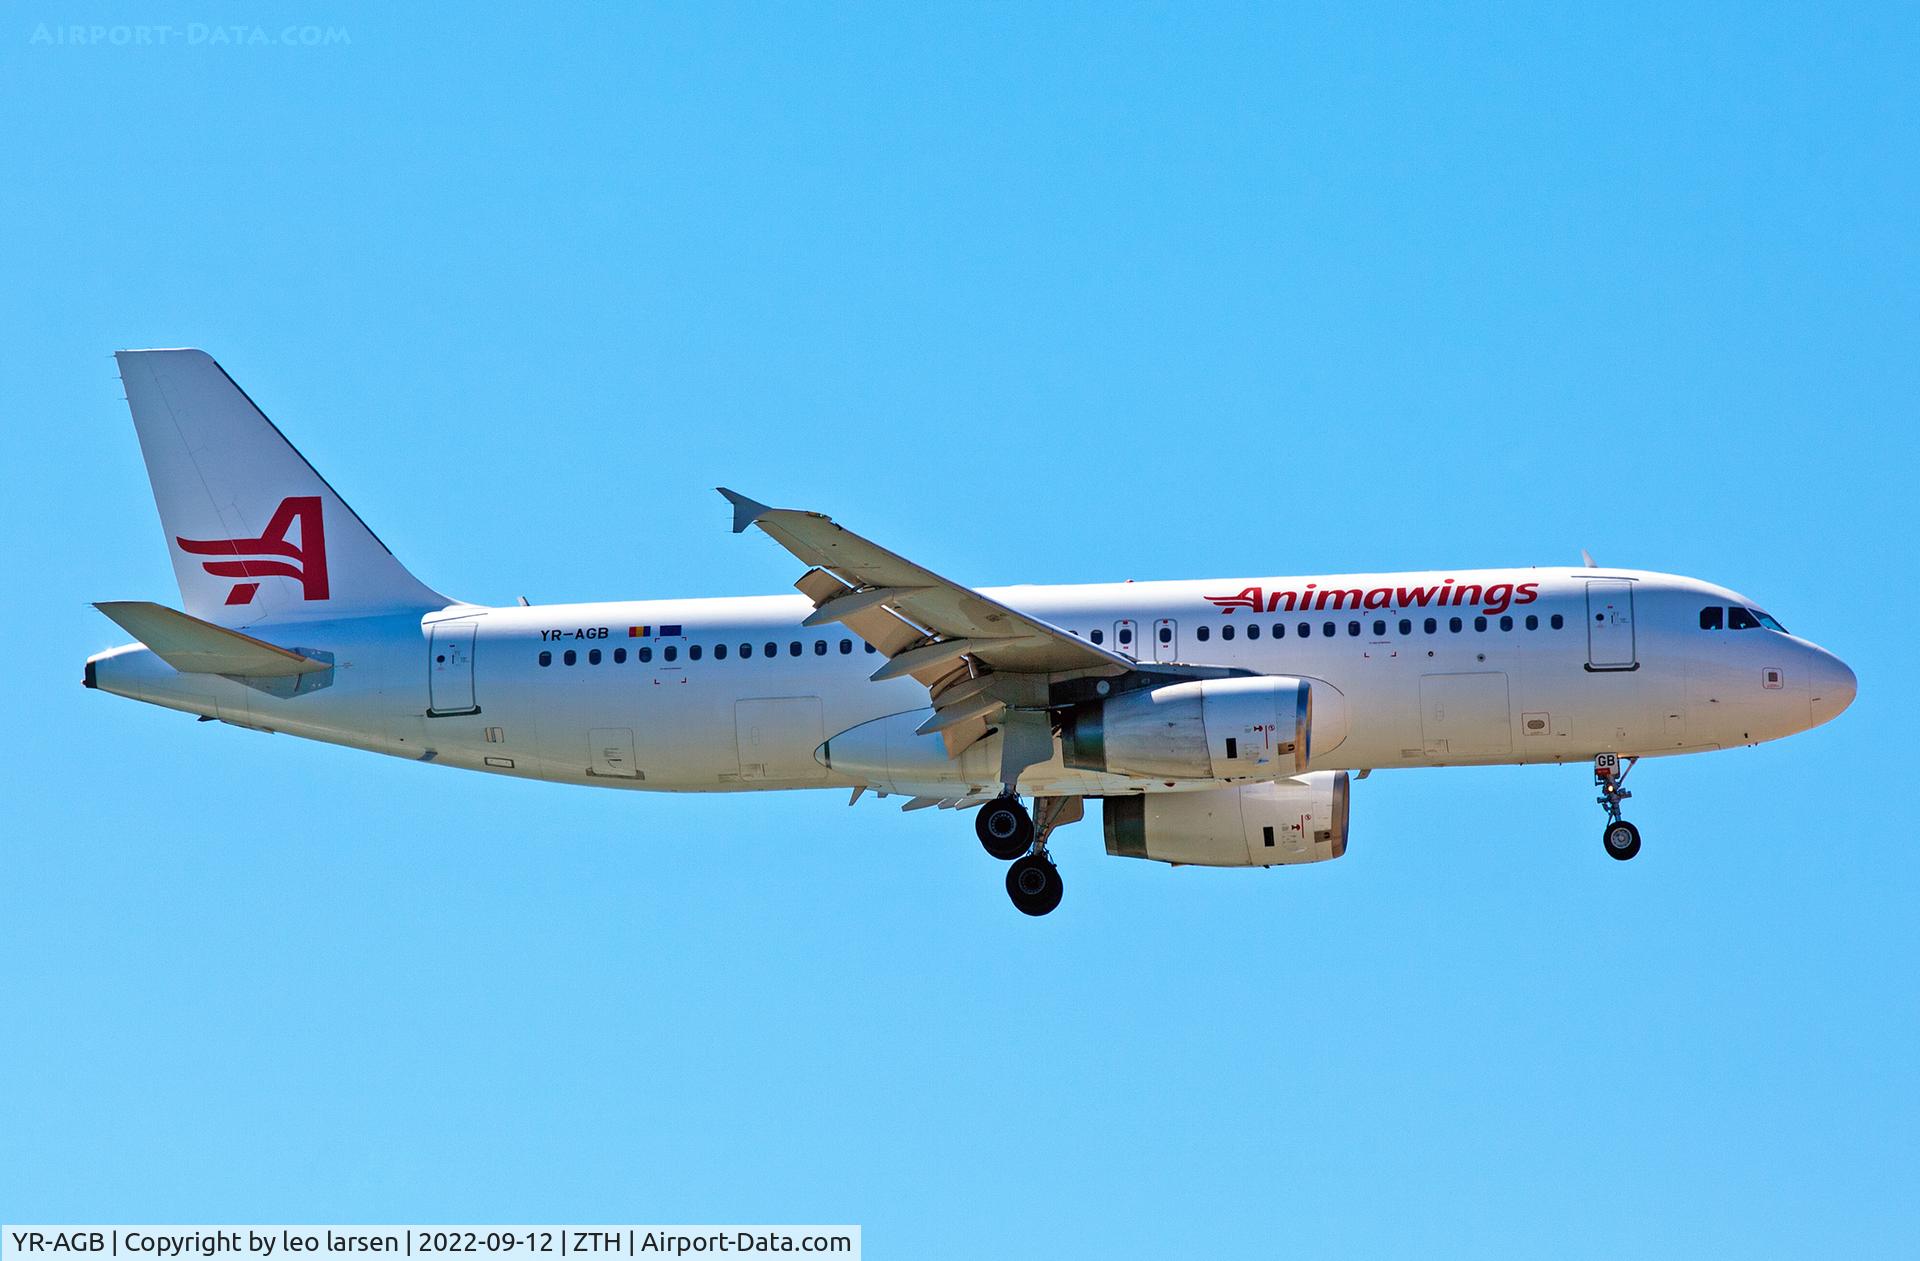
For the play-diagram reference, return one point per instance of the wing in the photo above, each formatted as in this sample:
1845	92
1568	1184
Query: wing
973	653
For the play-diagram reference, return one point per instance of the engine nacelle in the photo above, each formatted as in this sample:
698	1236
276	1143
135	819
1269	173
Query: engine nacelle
1301	819
1252	728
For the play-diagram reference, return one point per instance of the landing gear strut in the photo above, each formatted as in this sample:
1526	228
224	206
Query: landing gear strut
1621	839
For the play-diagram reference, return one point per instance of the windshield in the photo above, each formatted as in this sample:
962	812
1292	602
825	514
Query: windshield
1738	618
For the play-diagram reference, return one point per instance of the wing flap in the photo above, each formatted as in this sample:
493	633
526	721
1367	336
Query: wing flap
192	646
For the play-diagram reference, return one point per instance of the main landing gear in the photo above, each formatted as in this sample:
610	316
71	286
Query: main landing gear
1621	839
1009	833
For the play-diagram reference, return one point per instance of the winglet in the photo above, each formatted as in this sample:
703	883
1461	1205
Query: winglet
745	511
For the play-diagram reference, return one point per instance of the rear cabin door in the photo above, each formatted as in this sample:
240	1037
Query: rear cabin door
1610	644
450	669
1166	639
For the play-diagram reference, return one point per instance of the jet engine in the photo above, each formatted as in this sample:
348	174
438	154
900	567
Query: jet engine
1299	819
1242	728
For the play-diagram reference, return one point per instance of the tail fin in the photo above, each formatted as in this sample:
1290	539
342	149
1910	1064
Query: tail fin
255	534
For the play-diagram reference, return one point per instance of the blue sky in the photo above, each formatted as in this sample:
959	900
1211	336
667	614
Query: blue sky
1065	295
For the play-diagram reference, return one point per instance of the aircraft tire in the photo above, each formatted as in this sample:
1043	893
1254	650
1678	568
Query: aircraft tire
1005	828
1034	885
1622	840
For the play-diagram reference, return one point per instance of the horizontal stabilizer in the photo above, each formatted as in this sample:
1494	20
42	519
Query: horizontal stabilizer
192	646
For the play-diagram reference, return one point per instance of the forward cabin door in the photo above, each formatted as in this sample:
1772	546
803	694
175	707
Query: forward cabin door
1610	643
450	669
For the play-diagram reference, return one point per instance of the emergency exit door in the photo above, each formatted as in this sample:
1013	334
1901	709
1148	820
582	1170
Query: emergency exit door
1166	639
1610	643
450	669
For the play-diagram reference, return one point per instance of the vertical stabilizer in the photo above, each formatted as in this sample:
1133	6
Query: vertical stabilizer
256	535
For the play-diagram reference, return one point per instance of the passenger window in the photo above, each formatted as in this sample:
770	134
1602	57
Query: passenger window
1326	628
1430	626
1710	617
819	647
1126	635
871	648
1379	629
1453	624
1226	632
644	654
1533	621
1353	628
693	653
570	656
1279	630
1406	626
669	653
773	649
1556	621
1305	629
1506	623
1740	619
719	652
1166	634
546	658
793	649
619	656
1203	633
746	650
593	656
1098	637
1253	632
1479	623
846	647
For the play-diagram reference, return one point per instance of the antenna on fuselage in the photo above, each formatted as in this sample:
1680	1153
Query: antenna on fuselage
1586	558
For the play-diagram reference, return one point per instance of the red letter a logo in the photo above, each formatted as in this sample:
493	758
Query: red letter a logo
309	558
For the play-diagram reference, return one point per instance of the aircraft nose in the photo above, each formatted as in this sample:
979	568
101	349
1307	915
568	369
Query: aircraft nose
1832	687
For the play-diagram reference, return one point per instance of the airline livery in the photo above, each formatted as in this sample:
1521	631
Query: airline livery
1216	722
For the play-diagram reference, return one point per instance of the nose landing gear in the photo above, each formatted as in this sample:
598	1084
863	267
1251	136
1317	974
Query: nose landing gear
1621	839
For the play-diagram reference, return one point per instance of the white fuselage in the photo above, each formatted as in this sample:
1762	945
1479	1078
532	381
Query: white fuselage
732	694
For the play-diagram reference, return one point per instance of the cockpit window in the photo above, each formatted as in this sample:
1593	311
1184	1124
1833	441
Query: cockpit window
1738	618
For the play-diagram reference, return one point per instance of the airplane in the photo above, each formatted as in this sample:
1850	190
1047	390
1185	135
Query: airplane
1217	722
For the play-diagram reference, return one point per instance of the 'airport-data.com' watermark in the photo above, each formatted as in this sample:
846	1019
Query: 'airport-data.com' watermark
188	35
